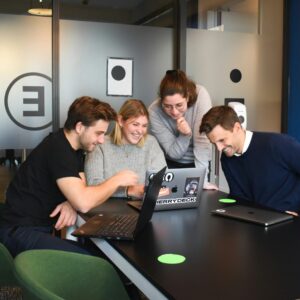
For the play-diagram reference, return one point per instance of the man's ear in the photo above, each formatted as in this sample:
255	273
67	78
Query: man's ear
79	127
237	127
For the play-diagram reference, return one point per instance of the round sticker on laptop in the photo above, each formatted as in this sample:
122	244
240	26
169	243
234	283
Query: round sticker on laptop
227	200
171	259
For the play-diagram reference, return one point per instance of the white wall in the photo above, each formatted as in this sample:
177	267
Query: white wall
239	22
85	47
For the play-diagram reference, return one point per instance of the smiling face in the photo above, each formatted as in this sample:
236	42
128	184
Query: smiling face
174	106
90	136
229	142
133	129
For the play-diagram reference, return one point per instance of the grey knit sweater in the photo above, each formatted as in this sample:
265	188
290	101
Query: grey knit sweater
107	159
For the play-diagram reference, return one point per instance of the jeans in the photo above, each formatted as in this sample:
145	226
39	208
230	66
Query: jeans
21	238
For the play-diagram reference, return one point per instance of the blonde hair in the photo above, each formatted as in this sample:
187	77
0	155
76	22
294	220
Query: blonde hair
131	108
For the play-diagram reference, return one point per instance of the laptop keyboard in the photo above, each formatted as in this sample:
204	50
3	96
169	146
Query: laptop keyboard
120	225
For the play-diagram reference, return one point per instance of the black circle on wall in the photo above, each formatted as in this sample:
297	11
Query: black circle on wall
118	73
235	75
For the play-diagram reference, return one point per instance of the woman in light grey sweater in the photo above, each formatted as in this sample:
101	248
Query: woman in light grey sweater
175	120
128	147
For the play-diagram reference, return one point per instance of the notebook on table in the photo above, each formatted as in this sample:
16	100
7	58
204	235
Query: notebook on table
181	188
255	215
124	226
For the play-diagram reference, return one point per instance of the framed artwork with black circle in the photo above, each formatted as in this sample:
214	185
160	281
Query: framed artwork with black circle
119	76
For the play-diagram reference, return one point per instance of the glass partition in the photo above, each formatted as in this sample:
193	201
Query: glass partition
93	33
234	49
25	76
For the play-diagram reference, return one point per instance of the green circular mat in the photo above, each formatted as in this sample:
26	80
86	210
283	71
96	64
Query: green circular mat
171	259
227	200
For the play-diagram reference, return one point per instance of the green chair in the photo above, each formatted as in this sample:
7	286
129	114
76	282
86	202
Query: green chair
54	274
8	282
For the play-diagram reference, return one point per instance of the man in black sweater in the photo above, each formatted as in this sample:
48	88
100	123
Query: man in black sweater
50	185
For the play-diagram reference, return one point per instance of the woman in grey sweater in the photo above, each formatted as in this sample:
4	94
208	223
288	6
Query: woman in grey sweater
175	120
128	147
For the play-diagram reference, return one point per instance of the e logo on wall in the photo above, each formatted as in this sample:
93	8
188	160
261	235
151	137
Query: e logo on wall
119	76
28	101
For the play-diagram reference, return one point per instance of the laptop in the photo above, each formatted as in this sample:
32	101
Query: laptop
255	215
123	226
181	188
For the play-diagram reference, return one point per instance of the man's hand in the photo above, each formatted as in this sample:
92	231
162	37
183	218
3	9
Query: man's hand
210	186
67	215
183	127
293	213
127	178
136	191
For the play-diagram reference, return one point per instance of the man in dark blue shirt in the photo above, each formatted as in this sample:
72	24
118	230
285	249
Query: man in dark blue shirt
258	166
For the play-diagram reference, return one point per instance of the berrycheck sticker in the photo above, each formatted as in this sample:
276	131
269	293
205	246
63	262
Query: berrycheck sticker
171	259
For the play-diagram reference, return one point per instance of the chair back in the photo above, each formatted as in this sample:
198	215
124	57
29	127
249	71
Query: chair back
54	274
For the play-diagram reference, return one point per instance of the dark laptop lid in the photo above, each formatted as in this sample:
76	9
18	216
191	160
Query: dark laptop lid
149	200
255	215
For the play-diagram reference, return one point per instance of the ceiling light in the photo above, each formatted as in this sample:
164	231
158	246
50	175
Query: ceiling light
40	8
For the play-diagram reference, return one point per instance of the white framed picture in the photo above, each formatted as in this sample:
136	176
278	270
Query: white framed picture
119	76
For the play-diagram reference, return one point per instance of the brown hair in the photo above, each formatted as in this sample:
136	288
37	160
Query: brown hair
176	82
88	110
223	115
131	108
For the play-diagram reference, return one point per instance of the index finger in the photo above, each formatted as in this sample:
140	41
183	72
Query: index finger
60	222
55	211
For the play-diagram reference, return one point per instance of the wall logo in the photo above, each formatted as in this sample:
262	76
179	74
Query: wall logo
28	101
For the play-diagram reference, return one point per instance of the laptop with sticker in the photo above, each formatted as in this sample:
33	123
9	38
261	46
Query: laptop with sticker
181	188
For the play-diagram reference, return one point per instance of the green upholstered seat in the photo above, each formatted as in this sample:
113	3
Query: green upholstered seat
53	274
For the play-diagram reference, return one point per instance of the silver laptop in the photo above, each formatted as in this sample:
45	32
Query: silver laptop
255	215
123	226
181	188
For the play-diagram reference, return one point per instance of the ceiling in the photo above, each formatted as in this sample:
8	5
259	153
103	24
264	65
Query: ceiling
130	11
118	4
